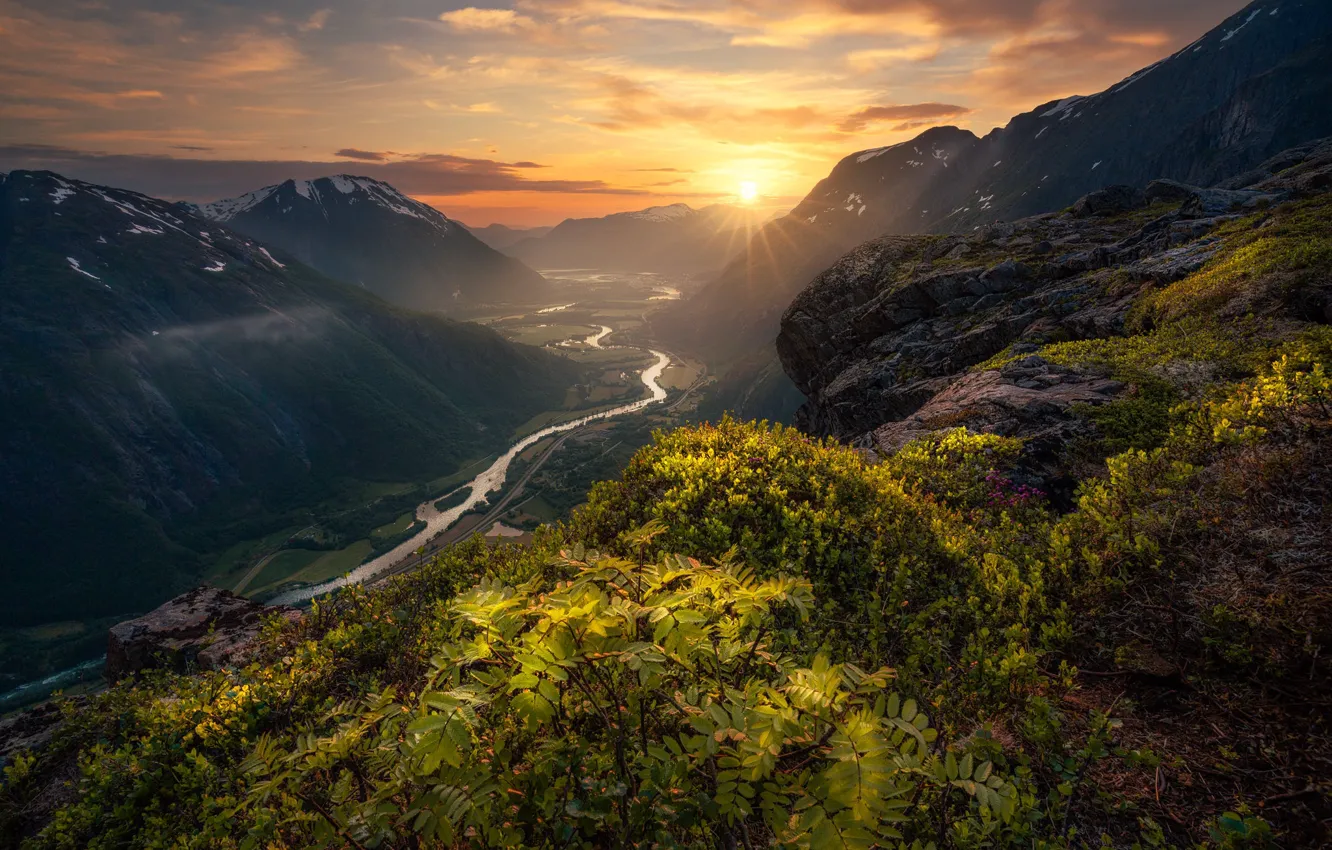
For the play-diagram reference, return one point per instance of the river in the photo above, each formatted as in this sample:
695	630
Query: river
491	479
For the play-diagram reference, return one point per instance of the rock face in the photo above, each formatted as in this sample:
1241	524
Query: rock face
885	344
1029	398
1110	200
207	626
30	729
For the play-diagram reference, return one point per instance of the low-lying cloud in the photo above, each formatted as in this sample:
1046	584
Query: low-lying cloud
190	179
272	327
364	156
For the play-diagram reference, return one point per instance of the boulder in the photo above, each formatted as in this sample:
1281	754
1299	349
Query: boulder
1169	191
206	627
1210	203
1029	398
1108	201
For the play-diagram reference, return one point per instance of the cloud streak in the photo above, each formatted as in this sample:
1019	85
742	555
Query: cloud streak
439	175
912	115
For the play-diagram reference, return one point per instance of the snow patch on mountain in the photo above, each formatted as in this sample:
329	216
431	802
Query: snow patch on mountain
74	264
1232	33
1064	106
866	156
229	208
357	190
1134	78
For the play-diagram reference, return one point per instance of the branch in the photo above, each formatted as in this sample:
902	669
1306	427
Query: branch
337	827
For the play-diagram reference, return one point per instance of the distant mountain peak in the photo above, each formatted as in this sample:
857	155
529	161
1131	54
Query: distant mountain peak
671	212
366	232
319	190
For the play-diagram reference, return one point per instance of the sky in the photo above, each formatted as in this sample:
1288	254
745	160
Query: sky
529	112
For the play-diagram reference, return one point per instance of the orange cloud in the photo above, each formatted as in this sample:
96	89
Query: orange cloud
316	22
255	53
472	19
915	114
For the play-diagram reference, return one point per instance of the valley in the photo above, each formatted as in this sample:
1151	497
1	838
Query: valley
666	424
371	529
597	323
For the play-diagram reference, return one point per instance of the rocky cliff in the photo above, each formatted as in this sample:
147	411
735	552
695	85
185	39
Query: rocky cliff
1256	84
892	342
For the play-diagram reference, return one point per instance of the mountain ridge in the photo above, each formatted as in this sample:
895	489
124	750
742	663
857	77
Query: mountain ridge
1247	89
168	387
365	232
672	238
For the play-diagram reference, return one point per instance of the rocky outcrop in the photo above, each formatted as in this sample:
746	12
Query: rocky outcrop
899	320
1110	200
886	343
1028	398
205	627
29	730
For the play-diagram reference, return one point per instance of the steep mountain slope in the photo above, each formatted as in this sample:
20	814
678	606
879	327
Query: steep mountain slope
670	239
1255	85
168	387
1164	298
500	236
1252	87
365	232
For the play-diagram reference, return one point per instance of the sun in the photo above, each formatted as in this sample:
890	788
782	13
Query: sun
748	191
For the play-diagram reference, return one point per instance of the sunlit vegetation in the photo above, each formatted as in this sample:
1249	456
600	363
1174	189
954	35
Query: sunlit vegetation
750	638
753	638
1267	256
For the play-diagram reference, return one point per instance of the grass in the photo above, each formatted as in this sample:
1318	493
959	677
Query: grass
306	567
448	482
544	334
392	529
54	631
1266	253
681	377
237	560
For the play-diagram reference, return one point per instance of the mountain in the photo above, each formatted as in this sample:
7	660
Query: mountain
501	236
884	343
1255	85
843	210
671	239
365	232
169	387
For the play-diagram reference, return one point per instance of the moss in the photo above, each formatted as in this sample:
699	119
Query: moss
1268	255
1138	420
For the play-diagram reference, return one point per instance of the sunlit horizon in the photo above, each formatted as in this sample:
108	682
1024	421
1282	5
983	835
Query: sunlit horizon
532	112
